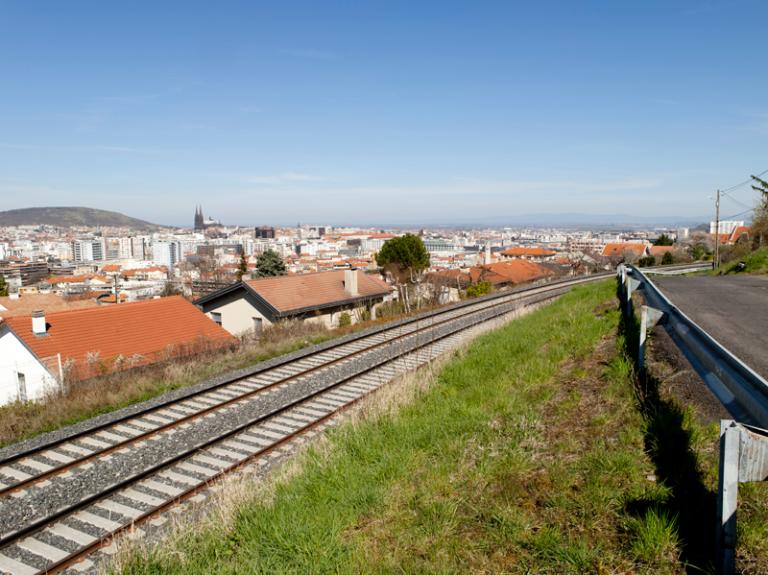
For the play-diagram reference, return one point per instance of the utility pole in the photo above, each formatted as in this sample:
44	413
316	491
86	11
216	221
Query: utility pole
717	230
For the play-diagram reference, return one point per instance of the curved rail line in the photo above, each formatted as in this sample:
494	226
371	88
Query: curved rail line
65	536
115	435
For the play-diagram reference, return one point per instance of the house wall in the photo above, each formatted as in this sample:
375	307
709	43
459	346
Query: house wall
330	318
15	358
237	313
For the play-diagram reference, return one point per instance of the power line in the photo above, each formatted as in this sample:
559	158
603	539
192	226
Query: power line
739	214
736	200
744	183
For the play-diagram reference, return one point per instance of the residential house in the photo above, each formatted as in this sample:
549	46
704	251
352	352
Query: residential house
514	272
533	253
40	350
626	251
26	303
251	305
740	233
659	251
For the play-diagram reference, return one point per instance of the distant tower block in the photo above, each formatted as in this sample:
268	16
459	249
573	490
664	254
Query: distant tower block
487	259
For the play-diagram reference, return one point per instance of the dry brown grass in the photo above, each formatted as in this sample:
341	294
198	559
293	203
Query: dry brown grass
84	399
182	368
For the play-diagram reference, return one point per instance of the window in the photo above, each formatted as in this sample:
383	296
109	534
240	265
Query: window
216	316
22	386
257	325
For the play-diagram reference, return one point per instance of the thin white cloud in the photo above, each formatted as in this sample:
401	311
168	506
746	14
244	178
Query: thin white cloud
284	178
96	148
126	99
623	184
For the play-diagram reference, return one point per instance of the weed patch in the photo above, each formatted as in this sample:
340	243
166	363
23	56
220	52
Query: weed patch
526	455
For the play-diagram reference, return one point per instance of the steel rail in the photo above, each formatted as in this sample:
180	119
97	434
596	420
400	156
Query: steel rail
273	364
741	390
59	469
483	316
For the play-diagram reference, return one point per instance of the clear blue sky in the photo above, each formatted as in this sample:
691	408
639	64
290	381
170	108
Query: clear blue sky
381	111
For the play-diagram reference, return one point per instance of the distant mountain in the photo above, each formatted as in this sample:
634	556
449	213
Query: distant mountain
559	220
66	217
606	220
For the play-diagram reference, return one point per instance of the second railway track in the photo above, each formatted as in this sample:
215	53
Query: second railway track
70	496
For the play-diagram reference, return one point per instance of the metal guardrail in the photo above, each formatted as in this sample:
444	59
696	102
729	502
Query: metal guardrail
676	269
742	391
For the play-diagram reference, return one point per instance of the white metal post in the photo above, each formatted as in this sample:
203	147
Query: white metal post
727	495
649	317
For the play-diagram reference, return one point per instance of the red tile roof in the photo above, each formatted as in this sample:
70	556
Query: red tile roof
152	329
528	251
68	279
296	292
27	303
613	250
512	272
738	232
661	250
452	275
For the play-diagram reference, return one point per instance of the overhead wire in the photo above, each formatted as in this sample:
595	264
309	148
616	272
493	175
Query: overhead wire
737	215
744	183
727	195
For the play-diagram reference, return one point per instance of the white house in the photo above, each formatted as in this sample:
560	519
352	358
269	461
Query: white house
317	297
39	351
24	376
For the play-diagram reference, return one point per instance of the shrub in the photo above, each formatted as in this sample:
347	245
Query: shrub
345	319
667	259
478	289
646	262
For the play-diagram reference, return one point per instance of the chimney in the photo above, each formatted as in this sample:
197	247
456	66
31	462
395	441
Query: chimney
350	282
38	322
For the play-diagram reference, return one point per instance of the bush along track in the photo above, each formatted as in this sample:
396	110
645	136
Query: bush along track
525	454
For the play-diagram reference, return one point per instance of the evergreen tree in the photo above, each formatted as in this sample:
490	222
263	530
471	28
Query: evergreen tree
404	257
269	264
667	259
663	240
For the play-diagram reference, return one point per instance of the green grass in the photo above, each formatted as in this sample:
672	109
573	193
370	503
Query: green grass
756	263
525	456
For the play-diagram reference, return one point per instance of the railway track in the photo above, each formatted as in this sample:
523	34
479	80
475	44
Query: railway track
65	498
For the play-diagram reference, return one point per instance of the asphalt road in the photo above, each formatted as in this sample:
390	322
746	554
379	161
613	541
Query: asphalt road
732	309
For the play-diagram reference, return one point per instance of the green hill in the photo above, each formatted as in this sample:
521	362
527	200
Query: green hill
66	217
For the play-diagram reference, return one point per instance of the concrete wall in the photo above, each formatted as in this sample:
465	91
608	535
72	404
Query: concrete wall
15	358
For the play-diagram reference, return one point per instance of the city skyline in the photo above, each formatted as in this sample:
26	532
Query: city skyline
436	113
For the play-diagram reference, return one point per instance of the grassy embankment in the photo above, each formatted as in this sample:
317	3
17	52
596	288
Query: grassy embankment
756	262
525	454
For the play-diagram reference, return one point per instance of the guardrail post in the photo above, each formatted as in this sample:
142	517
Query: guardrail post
727	496
632	285
649	317
743	458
